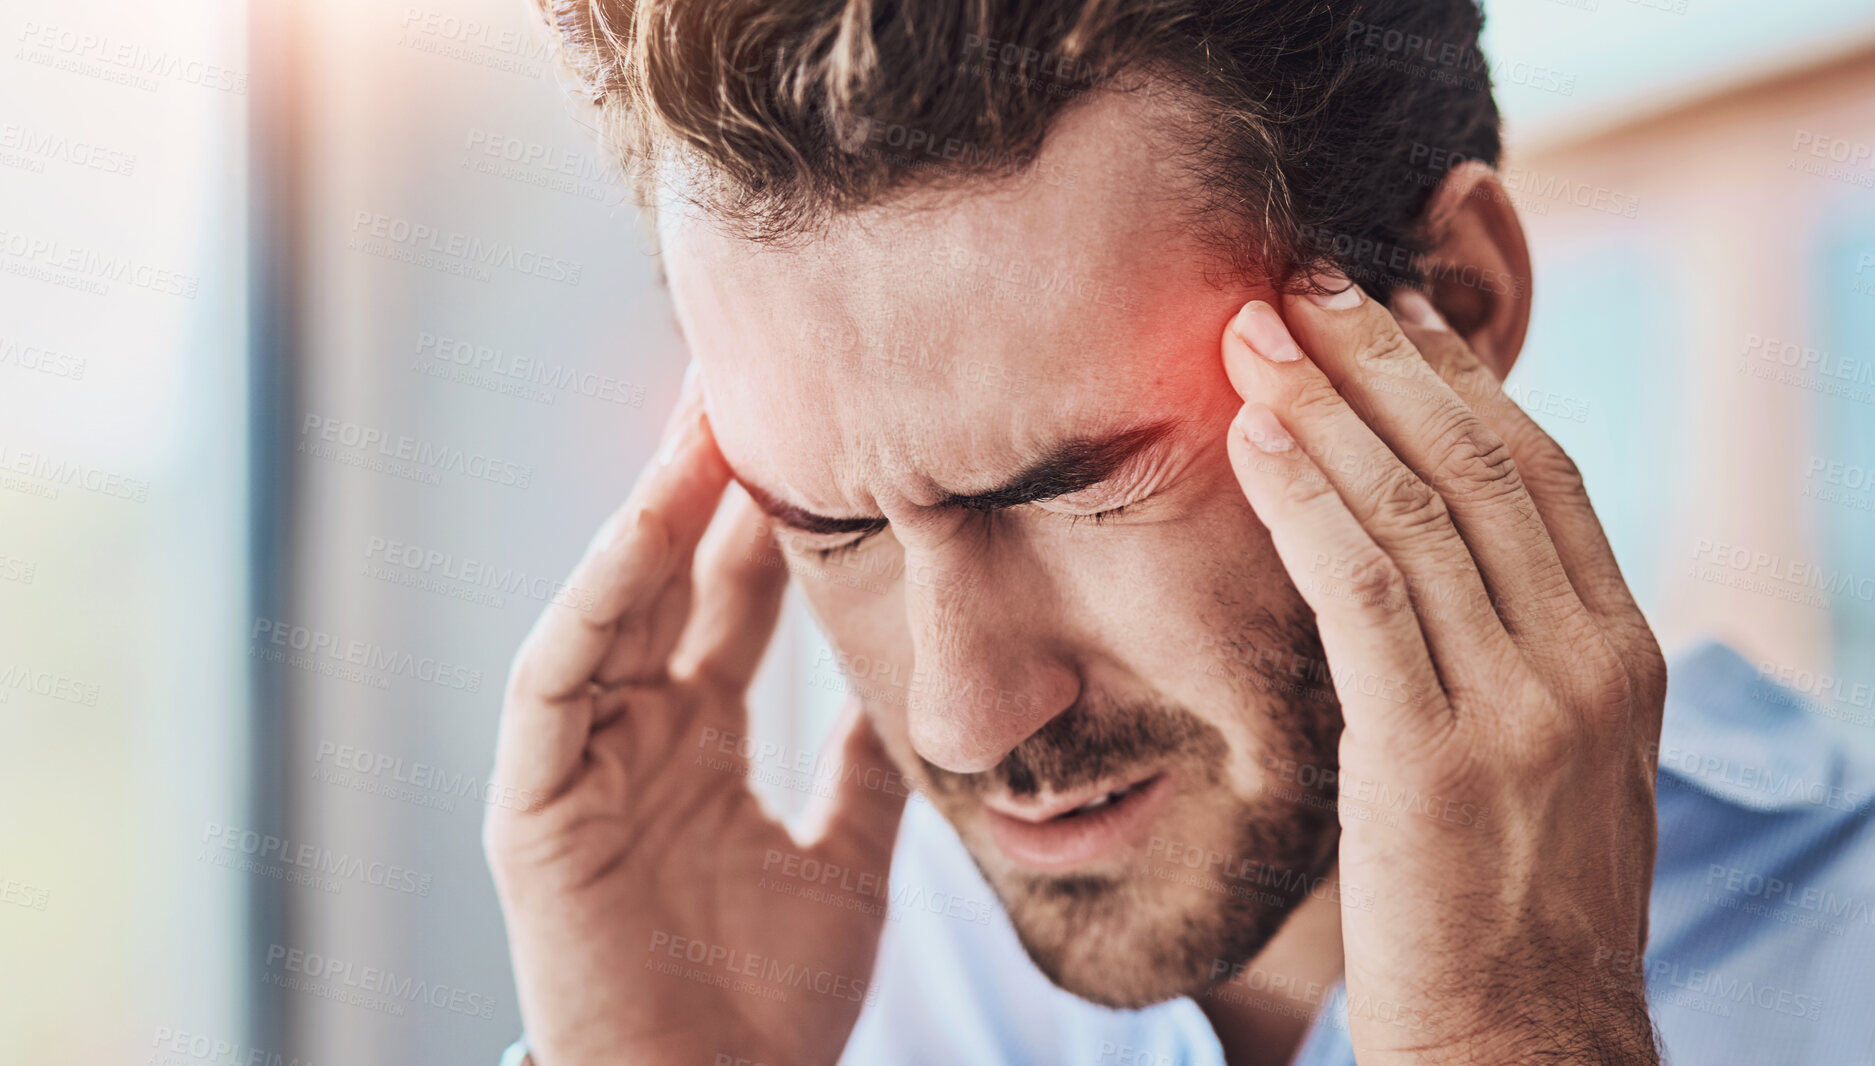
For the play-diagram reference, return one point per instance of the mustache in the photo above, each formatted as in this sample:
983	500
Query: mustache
1082	746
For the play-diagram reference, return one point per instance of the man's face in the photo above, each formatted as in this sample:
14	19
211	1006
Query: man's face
990	426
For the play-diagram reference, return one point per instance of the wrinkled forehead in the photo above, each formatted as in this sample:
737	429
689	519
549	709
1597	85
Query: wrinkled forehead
954	328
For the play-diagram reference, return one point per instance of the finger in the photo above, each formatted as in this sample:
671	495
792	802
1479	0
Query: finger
645	637
1404	517
1555	486
1376	367
1549	475
548	711
1383	673
857	823
740	579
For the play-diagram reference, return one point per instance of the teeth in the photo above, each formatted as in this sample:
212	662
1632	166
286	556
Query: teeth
1102	801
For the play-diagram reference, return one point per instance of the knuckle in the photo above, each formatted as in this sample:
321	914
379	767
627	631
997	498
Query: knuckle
1471	380
1315	397
1650	666
1605	679
1375	580
1546	462
1405	503
1307	491
1595	685
1383	348
1476	462
1551	747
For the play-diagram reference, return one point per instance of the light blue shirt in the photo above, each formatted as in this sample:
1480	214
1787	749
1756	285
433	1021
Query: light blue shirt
1762	933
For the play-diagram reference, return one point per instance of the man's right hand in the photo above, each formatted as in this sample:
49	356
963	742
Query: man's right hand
655	912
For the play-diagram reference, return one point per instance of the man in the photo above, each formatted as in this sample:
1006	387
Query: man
1124	395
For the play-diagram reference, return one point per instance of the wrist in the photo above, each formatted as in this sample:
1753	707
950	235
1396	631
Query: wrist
1552	1026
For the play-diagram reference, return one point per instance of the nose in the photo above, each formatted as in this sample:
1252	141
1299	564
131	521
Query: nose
991	670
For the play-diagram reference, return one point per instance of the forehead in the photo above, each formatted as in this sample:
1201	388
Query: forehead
935	339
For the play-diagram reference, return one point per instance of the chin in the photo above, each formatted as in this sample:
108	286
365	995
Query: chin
1141	938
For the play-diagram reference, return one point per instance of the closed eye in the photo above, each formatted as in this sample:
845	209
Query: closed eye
1098	516
841	551
808	544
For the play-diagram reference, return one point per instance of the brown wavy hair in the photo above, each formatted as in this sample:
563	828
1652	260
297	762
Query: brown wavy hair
1316	128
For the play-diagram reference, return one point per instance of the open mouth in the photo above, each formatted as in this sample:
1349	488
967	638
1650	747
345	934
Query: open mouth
1107	799
1078	829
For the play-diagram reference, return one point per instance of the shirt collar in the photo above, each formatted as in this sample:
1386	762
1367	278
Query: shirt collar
1733	733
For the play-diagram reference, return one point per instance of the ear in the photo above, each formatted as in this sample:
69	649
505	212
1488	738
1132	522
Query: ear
1478	269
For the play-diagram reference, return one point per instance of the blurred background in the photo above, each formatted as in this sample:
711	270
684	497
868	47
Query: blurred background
326	341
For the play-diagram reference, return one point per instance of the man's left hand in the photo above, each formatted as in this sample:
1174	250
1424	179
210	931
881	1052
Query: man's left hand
1501	690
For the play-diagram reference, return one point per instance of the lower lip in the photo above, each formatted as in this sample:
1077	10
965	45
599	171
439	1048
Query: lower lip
1067	842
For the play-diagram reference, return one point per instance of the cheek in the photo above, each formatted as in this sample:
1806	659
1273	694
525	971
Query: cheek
1174	599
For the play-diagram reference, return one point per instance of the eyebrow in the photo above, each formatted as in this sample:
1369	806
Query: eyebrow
1065	468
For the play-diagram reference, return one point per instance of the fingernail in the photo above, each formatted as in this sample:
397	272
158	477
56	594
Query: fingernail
1415	310
677	441
1262	331
1339	294
1259	426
